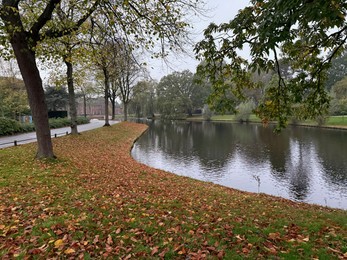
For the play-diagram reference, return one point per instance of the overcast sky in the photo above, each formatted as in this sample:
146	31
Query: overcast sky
220	11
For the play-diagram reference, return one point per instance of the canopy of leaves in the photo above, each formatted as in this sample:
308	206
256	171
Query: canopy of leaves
56	98
13	97
143	102
339	98
337	71
176	93
308	34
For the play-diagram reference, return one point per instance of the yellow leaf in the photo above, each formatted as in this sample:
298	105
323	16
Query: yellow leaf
69	251
58	243
306	239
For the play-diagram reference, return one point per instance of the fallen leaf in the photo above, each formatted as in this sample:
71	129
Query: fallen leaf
154	250
58	243
109	240
274	236
69	251
96	239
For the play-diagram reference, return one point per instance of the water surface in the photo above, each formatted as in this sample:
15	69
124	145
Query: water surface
301	164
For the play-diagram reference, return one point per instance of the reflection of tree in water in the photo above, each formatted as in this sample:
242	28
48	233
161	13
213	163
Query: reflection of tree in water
277	148
294	155
298	170
212	144
331	147
173	138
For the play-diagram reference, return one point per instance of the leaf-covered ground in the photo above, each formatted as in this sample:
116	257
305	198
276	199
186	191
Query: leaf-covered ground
95	201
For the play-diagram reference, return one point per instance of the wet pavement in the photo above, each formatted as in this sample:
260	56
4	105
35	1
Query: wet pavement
8	141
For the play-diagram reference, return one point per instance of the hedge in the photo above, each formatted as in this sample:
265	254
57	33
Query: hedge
10	126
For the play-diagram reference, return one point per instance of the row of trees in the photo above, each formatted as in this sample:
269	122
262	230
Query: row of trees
174	96
307	35
56	29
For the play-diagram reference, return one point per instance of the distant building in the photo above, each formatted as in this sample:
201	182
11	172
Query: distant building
95	107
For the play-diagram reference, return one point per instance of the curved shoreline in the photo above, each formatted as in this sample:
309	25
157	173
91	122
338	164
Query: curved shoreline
96	201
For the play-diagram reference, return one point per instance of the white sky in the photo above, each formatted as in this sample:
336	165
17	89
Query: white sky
220	11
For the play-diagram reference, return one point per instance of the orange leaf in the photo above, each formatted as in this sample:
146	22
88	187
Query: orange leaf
58	243
69	251
154	250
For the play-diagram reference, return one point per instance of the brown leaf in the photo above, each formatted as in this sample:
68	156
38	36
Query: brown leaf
154	250
96	239
221	254
35	251
274	236
109	240
127	257
163	253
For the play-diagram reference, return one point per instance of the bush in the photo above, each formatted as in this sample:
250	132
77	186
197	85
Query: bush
244	111
63	122
27	127
338	107
206	113
82	120
8	126
59	122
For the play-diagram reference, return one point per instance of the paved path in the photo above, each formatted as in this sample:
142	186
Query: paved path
8	141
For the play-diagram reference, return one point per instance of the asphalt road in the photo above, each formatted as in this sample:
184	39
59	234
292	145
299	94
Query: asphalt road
8	141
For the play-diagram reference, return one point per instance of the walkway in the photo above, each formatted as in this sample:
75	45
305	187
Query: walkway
8	141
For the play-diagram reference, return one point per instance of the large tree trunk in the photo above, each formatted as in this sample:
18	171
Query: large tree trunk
107	87
33	83
72	100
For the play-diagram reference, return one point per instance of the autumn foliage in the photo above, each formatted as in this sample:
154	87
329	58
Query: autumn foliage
97	202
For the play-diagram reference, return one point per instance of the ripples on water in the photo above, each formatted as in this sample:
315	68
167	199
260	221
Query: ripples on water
302	164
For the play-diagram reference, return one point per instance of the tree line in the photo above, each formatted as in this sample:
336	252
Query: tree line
75	32
296	54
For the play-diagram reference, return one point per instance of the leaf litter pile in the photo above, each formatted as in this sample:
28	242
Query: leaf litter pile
95	201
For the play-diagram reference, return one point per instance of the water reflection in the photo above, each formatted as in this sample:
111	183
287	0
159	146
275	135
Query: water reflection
303	164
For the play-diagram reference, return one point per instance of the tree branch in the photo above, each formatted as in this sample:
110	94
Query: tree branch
59	33
44	18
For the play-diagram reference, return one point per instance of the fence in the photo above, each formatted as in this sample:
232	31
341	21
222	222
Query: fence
16	142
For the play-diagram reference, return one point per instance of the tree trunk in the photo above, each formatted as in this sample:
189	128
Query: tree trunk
72	99
113	108
125	108
33	84
107	87
84	105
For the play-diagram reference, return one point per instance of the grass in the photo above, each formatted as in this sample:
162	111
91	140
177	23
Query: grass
332	121
95	201
337	120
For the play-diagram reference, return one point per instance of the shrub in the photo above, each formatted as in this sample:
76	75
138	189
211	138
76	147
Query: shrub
338	107
82	120
206	113
8	126
63	122
27	127
244	111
